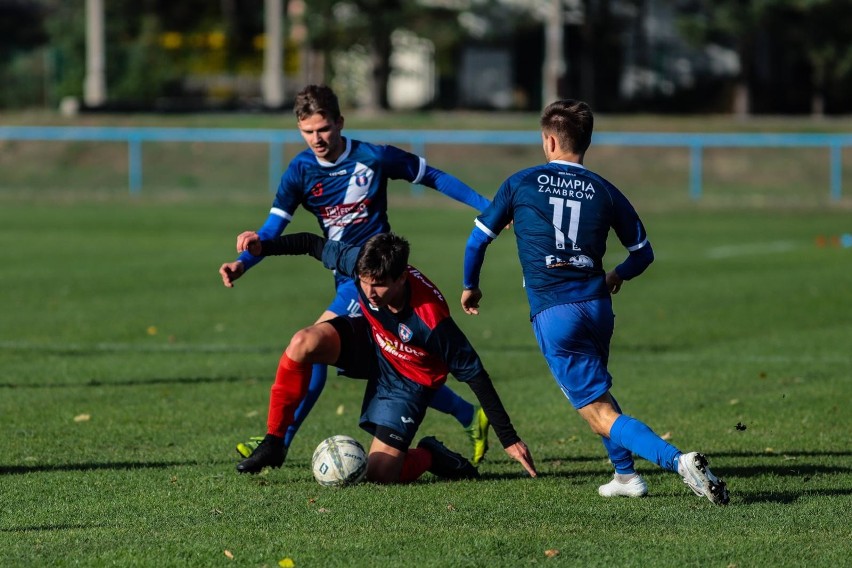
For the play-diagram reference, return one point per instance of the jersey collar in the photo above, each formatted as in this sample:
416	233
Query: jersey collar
342	156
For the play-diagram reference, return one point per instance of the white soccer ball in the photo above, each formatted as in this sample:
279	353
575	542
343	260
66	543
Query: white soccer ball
339	461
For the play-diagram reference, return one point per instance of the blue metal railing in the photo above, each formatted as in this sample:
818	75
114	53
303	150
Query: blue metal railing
419	139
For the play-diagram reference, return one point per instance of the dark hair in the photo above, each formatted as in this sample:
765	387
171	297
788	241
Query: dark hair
571	122
383	256
317	99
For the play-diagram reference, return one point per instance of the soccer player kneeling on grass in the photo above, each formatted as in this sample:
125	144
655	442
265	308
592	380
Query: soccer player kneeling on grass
405	345
562	215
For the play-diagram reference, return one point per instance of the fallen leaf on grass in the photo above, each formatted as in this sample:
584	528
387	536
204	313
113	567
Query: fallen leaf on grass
666	436
340	410
229	555
287	563
323	510
551	553
82	418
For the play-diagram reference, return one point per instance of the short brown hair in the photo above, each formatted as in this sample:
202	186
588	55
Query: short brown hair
571	122
317	99
383	256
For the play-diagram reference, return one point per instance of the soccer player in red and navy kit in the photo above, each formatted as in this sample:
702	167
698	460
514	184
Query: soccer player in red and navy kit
343	183
562	215
405	345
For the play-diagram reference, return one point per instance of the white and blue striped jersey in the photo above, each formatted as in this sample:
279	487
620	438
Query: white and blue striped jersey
349	196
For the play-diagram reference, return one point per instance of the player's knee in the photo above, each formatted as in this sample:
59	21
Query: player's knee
304	343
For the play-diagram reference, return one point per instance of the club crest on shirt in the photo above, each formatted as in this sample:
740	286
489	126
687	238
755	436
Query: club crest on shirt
361	180
405	334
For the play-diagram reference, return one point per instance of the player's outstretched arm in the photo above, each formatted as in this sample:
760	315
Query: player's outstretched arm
470	301
521	453
453	187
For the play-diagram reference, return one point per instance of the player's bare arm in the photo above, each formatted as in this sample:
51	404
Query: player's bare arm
470	301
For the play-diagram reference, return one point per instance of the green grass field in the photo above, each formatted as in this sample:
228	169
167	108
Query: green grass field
129	372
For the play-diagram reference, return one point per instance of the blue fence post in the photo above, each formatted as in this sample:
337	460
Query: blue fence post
134	164
695	170
836	171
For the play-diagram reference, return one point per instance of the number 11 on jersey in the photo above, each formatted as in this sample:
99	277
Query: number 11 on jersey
559	206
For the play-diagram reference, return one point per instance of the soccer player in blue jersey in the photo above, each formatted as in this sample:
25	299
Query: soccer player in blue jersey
343	183
562	215
405	344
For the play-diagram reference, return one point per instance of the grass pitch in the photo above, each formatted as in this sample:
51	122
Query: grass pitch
129	373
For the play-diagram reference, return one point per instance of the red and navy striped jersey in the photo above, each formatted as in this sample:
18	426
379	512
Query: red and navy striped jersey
422	342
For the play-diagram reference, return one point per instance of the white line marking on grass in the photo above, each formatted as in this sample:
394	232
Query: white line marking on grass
751	249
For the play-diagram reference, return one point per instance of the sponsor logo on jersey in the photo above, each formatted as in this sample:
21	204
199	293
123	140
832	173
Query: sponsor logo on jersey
406	419
338	173
396	348
404	333
574	187
345	214
316	190
577	261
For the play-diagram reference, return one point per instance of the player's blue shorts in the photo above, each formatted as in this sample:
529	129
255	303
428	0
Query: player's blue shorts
390	400
345	302
574	339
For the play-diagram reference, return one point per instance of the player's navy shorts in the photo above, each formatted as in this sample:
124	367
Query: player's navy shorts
390	400
345	301
574	339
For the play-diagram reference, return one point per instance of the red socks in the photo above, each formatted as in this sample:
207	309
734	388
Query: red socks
291	385
417	461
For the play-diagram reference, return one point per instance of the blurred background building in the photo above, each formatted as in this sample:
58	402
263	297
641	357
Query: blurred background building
684	56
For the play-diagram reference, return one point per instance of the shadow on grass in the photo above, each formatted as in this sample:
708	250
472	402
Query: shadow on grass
128	382
786	467
45	528
22	469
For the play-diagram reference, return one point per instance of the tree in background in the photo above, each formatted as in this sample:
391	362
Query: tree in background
784	46
367	25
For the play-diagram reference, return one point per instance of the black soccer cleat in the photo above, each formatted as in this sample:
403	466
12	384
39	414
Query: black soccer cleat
271	452
447	463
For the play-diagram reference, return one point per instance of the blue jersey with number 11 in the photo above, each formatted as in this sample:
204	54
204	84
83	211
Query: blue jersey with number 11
562	214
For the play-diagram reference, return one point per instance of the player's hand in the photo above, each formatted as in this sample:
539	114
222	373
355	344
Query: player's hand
249	241
521	453
230	271
613	282
470	301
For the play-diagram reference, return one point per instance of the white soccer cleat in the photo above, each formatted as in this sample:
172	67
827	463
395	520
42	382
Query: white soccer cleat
635	487
699	478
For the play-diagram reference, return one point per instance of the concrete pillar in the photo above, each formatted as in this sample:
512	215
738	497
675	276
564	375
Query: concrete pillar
554	61
94	88
273	58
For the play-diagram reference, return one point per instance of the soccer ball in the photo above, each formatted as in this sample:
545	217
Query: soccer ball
339	461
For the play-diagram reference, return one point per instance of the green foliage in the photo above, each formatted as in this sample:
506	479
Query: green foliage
129	373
